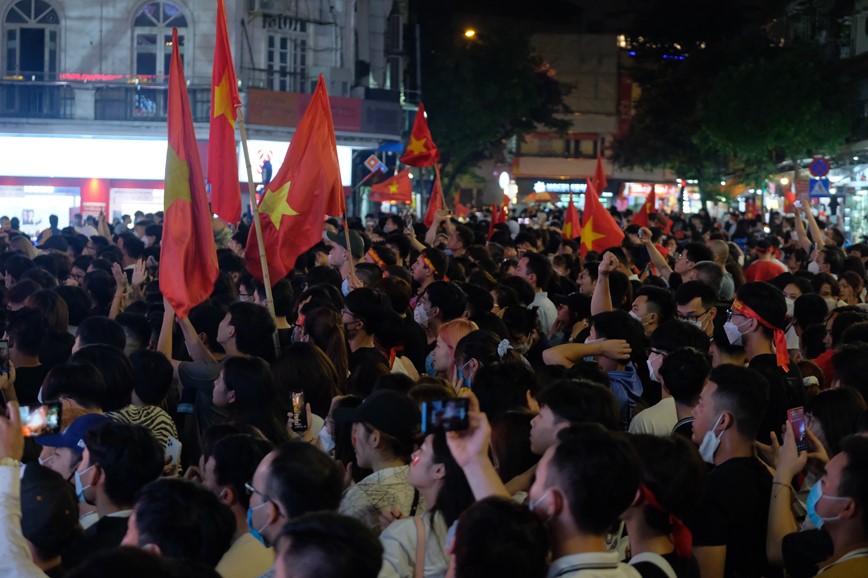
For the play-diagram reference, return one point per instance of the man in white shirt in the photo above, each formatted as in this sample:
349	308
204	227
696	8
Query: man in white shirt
537	270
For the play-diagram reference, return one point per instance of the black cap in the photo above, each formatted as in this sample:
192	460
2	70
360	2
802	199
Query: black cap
49	510
390	412
356	242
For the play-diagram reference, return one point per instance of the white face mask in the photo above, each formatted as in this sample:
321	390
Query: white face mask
710	443
638	318
345	287
651	373
791	305
420	315
327	440
733	332
813	267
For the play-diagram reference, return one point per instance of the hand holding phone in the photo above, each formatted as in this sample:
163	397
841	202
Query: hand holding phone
39	420
4	356
298	420
445	415
796	417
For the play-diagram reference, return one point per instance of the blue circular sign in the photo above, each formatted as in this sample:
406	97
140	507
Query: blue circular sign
819	167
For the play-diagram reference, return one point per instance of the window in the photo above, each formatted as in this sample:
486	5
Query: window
153	38
287	56
31	30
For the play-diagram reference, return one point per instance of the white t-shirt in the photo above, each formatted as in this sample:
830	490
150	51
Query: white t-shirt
399	548
658	420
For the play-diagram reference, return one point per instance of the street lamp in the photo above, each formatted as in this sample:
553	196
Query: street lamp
785	181
470	33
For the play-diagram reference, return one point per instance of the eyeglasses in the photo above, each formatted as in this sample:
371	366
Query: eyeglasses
692	317
251	490
730	313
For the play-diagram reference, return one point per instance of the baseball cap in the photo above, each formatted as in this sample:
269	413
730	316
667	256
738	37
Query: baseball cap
356	242
73	436
49	510
390	412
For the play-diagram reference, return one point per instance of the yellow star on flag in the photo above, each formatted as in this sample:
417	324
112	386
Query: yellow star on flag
177	184
589	236
223	100
648	207
417	146
393	188
275	205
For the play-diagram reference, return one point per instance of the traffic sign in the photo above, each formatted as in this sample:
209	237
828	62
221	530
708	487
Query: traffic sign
819	188
373	163
819	167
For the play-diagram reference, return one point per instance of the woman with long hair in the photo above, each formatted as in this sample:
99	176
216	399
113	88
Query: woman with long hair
306	367
323	327
245	390
444	490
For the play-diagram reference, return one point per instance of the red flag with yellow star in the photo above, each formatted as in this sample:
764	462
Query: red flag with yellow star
421	150
435	202
397	189
642	217
222	152
599	229
188	256
305	190
572	228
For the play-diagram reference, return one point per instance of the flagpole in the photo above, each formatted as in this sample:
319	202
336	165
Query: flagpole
254	210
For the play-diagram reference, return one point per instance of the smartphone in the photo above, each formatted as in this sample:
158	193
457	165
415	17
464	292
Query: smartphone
796	417
173	451
299	414
4	356
445	415
39	420
640	234
798	204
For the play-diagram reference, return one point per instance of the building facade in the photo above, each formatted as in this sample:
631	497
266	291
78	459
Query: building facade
83	91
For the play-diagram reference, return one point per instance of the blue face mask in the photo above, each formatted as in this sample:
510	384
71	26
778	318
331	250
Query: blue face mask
464	380
79	487
256	533
814	497
429	365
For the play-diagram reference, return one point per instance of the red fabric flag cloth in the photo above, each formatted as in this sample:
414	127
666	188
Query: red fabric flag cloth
642	217
304	191
600	181
599	229
460	210
188	255
572	227
435	202
421	150
397	189
222	152
790	199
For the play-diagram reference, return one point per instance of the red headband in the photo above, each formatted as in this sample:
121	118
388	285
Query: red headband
780	338
681	535
431	266
376	259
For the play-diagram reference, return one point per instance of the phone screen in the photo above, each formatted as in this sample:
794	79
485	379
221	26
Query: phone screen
445	415
796	416
299	413
40	419
4	356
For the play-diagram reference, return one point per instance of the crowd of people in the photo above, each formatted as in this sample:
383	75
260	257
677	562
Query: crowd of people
690	403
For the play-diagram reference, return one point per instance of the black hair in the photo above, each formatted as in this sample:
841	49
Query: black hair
850	363
743	392
26	329
101	330
510	451
767	301
502	387
843	321
254	329
684	372
660	301
255	391
133	246
206	318
540	266
496	537
455	494
838	411
15	265
52	307
301	478
185	520
42	277
620	290
128	455
448	297
368	306
697	252
327	545
77	302
79	381
580	401
137	329
834	258
306	367
675	334
854	476
23	289
588	370
236	458
323	275
809	309
116	370
153	375
506	296
598	472
690	290
523	290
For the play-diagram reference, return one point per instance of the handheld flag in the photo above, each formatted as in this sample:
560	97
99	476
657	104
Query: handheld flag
600	181
642	218
421	151
188	255
460	210
435	202
397	189
572	228
599	229
222	152
307	187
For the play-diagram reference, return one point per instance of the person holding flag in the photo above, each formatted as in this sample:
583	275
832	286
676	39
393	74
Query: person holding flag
599	229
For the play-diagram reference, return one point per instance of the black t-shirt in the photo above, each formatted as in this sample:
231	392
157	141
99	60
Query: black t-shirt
105	534
684	428
785	391
28	380
366	355
415	343
733	512
804	552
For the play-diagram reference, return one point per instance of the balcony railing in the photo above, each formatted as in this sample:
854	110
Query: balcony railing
36	99
146	103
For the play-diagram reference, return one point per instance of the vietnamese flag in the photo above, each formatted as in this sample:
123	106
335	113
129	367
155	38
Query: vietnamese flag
599	229
222	152
397	189
304	191
435	202
572	228
600	181
460	210
642	218
421	152
188	255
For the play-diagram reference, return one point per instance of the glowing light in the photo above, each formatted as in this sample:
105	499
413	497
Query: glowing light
470	33
785	181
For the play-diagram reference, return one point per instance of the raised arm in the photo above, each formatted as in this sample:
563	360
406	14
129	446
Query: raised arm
601	301
569	354
167	329
658	260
